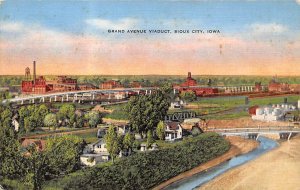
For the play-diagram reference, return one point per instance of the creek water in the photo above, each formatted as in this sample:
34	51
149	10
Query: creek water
201	178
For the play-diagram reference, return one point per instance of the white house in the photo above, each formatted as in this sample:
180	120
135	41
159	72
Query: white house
152	147
15	123
99	146
93	159
122	129
173	131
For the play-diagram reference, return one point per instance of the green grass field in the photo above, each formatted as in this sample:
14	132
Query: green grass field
231	107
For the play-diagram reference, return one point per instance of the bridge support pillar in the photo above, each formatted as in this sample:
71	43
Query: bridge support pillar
150	91
22	102
67	97
257	137
55	98
62	99
289	136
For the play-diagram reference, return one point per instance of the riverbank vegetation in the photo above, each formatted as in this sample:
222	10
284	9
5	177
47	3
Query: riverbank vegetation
145	170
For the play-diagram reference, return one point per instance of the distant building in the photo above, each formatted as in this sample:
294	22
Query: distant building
273	113
189	81
257	87
111	84
295	87
135	84
275	86
39	85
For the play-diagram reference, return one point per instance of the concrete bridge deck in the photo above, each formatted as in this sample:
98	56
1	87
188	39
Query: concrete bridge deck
75	95
254	132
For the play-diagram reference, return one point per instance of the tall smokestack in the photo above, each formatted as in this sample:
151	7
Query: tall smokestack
34	72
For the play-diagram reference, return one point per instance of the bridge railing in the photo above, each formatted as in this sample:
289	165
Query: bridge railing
256	129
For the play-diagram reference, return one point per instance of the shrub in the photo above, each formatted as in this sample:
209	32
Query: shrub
145	170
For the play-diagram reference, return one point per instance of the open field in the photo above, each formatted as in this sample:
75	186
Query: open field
278	169
219	108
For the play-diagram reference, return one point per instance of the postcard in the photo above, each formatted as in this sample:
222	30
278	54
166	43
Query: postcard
184	94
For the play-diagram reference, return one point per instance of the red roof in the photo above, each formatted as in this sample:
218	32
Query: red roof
41	144
172	125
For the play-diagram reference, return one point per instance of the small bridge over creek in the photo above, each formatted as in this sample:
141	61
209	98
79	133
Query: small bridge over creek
255	132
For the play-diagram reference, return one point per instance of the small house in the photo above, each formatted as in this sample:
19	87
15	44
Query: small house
93	159
173	131
99	146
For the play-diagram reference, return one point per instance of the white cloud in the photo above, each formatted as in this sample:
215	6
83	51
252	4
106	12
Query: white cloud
298	1
124	23
11	26
267	28
1	1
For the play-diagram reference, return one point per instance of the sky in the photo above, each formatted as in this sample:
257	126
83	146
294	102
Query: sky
71	37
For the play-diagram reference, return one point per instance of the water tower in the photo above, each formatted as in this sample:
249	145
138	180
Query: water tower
27	74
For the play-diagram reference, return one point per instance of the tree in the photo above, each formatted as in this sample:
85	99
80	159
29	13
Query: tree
160	130
23	112
64	154
93	118
40	114
50	120
112	141
66	114
150	139
79	121
11	165
146	111
29	124
36	166
128	141
188	96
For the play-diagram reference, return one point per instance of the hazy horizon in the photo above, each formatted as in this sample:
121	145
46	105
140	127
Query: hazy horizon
257	38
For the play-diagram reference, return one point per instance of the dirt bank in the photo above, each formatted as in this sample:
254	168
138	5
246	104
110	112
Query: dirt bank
277	169
238	146
243	122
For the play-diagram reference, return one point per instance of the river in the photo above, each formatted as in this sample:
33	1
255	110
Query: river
197	180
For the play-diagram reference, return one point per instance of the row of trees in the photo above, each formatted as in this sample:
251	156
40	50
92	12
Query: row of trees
34	116
30	165
67	116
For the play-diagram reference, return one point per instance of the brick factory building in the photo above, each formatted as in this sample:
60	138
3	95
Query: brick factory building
39	85
190	85
275	86
135	84
189	81
111	84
